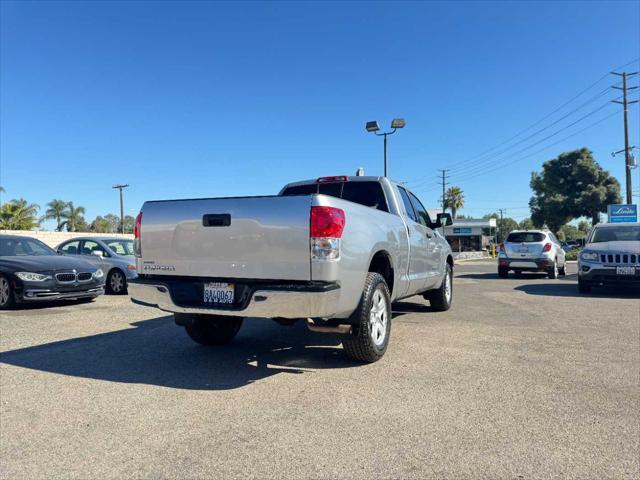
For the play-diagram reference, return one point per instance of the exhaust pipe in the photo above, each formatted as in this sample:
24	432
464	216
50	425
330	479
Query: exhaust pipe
342	329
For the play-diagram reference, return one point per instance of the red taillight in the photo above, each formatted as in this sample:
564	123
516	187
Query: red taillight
327	222
547	247
136	228
501	247
341	178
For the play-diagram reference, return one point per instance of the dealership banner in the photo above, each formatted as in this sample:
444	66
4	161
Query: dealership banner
622	213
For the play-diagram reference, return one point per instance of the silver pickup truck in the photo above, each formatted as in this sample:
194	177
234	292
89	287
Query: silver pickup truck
334	251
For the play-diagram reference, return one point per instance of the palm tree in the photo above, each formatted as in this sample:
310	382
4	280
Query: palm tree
19	215
454	200
73	217
56	211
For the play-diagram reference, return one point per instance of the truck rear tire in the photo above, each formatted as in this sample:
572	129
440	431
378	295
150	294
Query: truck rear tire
440	299
371	322
210	329
503	272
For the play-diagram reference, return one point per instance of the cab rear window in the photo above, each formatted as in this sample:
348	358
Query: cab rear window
369	194
525	237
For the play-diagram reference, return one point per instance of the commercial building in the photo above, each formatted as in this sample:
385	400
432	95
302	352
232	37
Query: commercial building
470	235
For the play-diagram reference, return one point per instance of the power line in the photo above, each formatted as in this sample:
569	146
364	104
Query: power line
455	165
497	167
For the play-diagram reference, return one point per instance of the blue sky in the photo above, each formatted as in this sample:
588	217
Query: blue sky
188	99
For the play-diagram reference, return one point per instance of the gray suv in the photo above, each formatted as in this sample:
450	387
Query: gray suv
611	256
531	250
113	255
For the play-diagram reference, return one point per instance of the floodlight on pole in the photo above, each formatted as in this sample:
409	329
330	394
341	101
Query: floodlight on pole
374	127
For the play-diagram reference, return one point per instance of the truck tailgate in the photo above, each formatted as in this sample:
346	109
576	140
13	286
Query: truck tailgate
251	237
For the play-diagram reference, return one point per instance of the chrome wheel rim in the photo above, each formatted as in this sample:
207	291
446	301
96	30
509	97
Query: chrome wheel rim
4	291
117	282
555	269
378	318
447	287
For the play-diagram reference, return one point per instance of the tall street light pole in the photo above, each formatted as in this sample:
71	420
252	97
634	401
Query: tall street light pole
121	187
374	127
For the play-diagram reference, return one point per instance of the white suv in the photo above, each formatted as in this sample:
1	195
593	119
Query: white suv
533	251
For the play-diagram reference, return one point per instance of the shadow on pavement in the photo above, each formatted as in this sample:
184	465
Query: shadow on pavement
560	289
403	308
157	352
494	276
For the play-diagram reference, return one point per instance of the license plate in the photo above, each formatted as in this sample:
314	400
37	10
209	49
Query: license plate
218	293
626	270
523	250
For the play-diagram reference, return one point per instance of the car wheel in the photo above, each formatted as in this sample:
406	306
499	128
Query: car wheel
371	322
583	287
210	330
116	282
553	271
441	298
503	272
6	294
563	270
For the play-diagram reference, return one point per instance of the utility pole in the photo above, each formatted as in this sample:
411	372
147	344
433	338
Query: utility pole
443	179
120	187
625	103
502	212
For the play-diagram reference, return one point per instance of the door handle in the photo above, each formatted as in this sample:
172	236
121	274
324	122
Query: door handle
429	235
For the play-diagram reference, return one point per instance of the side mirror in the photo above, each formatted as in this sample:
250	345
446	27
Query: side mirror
442	220
97	253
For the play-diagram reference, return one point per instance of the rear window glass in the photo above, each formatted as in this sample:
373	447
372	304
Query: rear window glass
369	194
525	237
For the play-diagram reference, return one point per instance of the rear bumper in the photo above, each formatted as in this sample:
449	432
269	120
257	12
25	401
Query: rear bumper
300	300
530	264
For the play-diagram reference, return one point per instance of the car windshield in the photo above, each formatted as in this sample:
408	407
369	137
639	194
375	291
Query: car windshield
525	237
616	234
18	247
121	247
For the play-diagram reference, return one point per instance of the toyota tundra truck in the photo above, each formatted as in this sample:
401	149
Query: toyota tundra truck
333	252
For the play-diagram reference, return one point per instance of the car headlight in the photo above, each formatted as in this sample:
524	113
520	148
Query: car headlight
589	256
32	277
98	273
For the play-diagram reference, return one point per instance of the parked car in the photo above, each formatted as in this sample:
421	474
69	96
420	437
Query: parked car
113	255
334	251
30	271
610	257
532	251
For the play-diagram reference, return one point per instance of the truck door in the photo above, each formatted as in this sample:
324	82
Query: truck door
434	248
418	247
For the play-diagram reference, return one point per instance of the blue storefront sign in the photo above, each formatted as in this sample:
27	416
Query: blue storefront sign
462	230
622	213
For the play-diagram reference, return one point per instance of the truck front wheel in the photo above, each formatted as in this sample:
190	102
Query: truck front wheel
440	299
371	322
210	329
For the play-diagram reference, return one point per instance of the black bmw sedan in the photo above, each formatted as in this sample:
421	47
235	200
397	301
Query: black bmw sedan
30	271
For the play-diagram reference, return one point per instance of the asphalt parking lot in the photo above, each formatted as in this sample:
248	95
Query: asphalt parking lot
522	378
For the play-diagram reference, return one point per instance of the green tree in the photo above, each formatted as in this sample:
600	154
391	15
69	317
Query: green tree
569	232
454	200
584	227
55	211
114	222
19	215
74	219
129	222
570	186
526	224
100	225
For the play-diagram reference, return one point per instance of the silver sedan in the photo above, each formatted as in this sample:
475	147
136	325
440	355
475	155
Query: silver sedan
113	255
